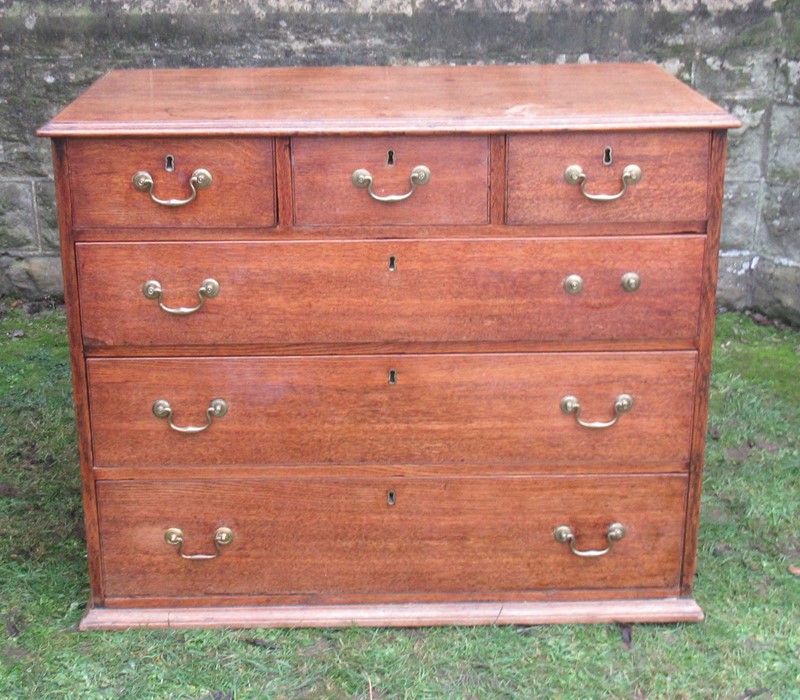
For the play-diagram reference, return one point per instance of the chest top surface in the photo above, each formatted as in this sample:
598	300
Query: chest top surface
414	100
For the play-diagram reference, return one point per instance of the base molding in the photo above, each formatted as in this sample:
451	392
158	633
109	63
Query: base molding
400	615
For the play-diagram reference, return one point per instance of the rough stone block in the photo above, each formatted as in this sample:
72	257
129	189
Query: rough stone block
31	277
776	289
742	75
787	83
784	145
48	216
780	234
17	222
735	281
741	214
746	151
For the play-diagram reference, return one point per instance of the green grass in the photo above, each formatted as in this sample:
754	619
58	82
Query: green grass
749	645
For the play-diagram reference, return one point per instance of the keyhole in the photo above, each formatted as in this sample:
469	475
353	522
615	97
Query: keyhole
392	376
390	157
169	163
392	263
391	498
607	156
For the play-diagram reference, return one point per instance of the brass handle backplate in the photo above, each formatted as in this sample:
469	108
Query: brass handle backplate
574	175
209	288
200	180
622	404
223	536
565	535
573	284
216	409
630	281
420	175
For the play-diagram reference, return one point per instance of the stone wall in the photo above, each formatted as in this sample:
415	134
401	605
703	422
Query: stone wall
743	54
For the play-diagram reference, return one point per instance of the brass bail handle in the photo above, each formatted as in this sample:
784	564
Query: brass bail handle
209	288
200	180
216	409
223	536
565	535
420	175
622	404
574	175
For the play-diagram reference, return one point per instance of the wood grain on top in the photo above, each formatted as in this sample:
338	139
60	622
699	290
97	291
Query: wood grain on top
371	100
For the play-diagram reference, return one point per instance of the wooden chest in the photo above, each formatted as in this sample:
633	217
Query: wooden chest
390	346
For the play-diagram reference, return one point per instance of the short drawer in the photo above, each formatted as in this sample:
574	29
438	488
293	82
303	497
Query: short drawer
366	181
607	177
303	293
208	182
415	536
453	410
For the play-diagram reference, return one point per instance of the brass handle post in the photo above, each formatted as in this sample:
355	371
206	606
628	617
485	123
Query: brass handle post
630	281
200	180
223	536
209	288
216	409
622	404
573	284
420	175
565	535
574	175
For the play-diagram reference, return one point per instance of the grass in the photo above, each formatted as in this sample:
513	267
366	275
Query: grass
748	647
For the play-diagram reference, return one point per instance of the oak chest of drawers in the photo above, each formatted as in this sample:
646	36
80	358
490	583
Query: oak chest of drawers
390	346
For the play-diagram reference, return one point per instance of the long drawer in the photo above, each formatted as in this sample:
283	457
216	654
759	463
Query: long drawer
459	410
415	536
295	293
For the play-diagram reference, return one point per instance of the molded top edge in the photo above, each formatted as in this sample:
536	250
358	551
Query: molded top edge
397	99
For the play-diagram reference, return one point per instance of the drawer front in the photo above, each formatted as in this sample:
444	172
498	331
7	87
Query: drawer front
453	410
457	191
241	190
674	173
334	537
300	293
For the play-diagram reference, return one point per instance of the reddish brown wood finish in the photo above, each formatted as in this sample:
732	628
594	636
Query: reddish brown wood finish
497	181
420	598
242	192
283	183
706	342
332	536
402	348
346	233
78	366
345	292
673	185
474	321
444	409
380	100
457	193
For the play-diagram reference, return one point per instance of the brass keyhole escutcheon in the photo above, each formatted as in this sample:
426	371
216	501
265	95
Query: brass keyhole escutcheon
392	376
